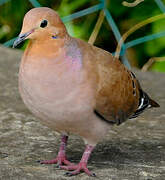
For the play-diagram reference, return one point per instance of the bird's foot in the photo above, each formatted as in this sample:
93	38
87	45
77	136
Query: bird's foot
82	166
60	160
61	157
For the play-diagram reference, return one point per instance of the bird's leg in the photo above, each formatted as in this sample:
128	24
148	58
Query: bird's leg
61	157
82	166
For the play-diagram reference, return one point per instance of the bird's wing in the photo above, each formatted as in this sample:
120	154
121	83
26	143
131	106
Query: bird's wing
118	92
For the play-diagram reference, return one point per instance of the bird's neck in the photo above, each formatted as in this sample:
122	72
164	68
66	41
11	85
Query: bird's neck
60	51
48	47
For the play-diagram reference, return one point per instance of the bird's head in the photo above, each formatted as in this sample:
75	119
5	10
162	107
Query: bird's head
41	24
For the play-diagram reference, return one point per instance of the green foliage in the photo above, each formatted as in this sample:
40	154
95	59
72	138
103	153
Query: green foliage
76	27
156	46
158	66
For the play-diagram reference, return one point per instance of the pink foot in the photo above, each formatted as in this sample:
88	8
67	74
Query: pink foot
60	160
82	166
61	157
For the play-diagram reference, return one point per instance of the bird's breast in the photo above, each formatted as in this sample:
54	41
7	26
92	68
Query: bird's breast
55	90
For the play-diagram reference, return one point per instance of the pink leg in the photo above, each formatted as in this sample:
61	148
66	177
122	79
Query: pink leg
82	166
61	157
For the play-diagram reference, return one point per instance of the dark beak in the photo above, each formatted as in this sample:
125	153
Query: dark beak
21	38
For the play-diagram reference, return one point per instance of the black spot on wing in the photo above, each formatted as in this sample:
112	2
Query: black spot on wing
133	74
133	84
133	77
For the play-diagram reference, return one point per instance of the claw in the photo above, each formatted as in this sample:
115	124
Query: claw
68	174
93	175
60	160
77	169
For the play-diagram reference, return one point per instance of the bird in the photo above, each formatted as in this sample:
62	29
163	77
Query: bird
74	87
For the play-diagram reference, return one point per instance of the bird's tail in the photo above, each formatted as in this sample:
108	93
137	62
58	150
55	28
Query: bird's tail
144	102
153	103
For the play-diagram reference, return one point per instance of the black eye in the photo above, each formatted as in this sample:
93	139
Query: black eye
44	23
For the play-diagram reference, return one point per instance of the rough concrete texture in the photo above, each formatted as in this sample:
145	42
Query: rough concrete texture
132	151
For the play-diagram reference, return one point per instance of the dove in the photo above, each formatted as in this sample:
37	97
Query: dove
74	87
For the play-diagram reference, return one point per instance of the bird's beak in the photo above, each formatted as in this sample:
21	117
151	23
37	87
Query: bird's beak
21	38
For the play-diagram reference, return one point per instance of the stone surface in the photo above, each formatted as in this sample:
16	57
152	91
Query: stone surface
134	150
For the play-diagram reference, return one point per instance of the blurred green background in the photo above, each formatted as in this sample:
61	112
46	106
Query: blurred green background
13	11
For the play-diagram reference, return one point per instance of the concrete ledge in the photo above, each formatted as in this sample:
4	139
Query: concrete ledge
134	150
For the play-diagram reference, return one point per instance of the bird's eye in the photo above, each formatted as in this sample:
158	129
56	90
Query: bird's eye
44	23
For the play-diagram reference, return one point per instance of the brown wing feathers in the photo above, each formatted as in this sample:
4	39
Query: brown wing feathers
137	100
